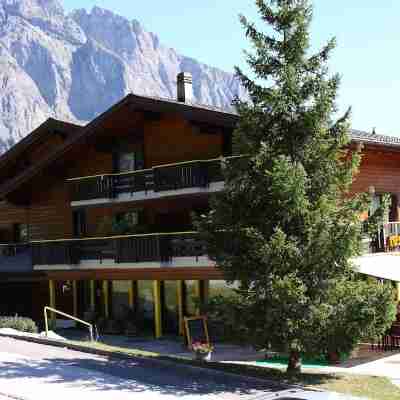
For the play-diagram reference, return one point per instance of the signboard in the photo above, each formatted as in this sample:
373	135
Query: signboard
196	330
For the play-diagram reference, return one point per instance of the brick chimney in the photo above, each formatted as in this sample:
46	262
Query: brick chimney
185	87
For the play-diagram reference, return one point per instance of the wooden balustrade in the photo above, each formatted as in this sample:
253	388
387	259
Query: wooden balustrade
121	249
158	179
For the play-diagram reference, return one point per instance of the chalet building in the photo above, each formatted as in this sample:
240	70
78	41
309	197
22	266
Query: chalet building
96	219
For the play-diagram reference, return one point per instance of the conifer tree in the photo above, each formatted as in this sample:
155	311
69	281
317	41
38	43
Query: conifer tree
286	227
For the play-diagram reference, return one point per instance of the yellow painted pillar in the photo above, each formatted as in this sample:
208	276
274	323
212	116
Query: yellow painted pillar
157	309
92	295
179	298
52	298
398	292
106	299
132	294
198	295
75	298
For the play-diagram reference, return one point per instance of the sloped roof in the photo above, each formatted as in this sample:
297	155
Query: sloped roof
373	138
191	111
51	125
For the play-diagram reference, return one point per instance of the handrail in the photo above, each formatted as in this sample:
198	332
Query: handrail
46	308
141	235
154	167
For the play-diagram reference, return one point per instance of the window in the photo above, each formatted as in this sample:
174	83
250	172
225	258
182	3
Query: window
127	222
21	233
129	161
79	223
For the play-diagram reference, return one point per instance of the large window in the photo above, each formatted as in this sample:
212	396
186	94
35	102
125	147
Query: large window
126	161
21	233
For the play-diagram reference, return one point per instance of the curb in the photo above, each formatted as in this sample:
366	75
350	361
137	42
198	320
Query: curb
155	361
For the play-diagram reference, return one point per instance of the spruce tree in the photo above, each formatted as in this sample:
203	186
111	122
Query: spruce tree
285	226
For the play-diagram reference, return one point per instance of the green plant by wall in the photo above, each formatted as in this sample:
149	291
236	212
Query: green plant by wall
19	323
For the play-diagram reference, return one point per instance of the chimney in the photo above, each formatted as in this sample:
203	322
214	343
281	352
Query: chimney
185	87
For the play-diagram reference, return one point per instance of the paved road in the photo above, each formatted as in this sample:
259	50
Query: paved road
35	372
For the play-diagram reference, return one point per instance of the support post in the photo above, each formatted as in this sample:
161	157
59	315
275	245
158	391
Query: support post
199	296
398	291
75	298
106	299
92	295
132	294
157	309
179	298
52	298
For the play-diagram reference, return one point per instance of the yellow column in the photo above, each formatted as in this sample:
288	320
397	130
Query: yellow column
157	309
398	292
75	298
92	295
106	300
132	294
198	295
52	292
179	298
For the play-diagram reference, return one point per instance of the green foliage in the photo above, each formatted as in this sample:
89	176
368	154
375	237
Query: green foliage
286	226
376	219
18	323
358	311
225	318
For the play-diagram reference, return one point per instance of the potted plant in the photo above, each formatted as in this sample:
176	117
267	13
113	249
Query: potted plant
202	351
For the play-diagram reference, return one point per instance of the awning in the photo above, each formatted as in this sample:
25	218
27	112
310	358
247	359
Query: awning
380	265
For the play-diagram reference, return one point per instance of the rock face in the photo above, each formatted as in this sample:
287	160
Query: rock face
75	66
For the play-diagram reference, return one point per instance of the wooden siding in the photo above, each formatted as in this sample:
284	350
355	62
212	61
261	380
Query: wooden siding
174	140
379	168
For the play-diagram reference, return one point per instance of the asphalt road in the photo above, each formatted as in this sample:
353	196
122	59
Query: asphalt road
29	371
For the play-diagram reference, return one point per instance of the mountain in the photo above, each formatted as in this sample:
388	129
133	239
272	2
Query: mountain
75	66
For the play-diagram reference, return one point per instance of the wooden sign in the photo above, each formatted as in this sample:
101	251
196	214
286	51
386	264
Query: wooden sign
196	330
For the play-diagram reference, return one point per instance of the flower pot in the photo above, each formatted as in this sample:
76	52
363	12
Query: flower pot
202	356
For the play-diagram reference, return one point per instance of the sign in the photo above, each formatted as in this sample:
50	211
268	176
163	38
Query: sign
196	330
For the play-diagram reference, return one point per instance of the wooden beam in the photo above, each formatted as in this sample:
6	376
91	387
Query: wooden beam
157	309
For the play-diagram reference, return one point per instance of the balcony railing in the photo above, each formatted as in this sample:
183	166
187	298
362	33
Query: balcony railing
160	247
15	257
192	174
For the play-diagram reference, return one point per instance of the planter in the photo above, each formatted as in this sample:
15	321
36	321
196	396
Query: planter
202	356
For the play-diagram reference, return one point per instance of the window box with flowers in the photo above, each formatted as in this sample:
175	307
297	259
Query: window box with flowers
202	351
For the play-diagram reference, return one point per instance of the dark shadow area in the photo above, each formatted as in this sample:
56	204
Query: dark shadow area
136	375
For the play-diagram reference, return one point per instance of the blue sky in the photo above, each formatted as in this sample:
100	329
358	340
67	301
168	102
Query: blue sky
367	56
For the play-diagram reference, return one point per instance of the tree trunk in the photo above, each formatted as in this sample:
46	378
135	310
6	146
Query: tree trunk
294	364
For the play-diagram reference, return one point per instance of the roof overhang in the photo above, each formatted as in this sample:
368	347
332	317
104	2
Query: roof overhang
380	265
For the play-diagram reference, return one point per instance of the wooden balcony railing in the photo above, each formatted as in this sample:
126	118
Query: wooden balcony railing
159	179
160	247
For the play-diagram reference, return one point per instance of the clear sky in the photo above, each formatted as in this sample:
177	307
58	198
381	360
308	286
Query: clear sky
367	56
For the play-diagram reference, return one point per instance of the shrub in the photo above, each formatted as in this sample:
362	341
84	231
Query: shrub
18	323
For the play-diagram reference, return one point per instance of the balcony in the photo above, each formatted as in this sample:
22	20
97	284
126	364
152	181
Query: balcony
192	177
15	258
183	249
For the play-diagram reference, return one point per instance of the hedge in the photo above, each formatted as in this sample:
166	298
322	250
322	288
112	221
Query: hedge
19	323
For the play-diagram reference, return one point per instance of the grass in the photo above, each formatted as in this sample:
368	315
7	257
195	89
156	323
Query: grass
357	385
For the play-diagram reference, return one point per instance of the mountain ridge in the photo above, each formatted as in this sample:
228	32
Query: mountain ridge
74	66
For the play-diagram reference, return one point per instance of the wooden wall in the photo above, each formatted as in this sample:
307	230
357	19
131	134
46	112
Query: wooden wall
174	140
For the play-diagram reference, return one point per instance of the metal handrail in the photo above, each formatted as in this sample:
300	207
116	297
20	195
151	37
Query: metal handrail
90	326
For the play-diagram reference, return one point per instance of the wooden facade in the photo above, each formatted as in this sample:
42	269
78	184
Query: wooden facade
173	150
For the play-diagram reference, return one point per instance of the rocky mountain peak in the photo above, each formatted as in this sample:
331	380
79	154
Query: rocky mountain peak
75	66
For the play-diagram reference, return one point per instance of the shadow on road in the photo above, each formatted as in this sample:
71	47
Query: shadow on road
136	375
